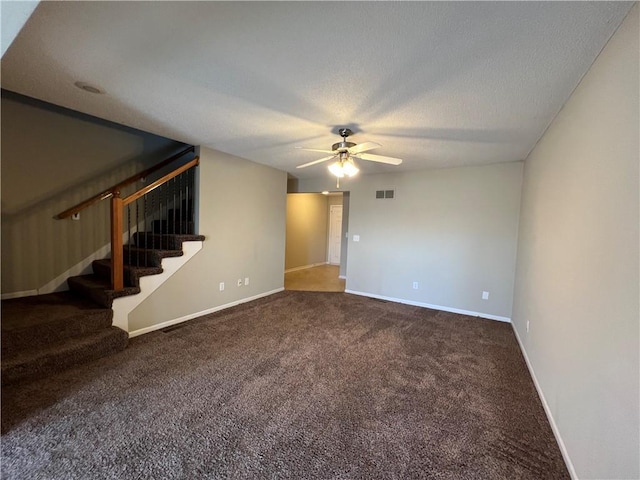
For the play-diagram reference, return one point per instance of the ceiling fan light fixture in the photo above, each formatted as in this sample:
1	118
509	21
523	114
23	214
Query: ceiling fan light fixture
349	168
343	153
336	169
344	167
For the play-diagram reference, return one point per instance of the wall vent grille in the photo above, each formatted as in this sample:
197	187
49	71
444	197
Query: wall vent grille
385	194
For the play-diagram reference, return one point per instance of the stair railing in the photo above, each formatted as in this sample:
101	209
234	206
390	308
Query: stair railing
175	189
119	186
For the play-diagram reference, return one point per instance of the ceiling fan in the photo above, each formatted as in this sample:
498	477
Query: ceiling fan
344	152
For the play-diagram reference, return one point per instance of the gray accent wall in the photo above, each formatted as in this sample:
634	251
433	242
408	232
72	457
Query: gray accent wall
242	215
454	231
53	158
577	280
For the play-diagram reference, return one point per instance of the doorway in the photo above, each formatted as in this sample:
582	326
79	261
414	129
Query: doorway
315	254
335	234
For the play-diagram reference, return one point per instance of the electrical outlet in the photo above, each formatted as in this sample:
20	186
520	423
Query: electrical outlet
221	286
246	280
527	326
485	295
239	282
415	285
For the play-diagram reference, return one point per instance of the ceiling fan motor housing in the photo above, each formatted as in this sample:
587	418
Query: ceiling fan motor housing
342	146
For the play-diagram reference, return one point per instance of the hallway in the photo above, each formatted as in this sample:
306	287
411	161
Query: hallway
323	278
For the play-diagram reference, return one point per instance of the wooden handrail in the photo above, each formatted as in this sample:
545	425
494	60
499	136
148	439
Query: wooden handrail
117	219
143	191
117	253
109	192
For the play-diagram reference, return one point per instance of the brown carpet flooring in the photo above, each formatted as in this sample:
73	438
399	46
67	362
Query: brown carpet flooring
295	385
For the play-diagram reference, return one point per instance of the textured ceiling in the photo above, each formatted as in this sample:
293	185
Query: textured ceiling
436	83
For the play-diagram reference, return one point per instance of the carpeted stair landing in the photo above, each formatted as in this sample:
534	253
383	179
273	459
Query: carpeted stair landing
44	334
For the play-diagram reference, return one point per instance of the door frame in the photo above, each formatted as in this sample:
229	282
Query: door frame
330	246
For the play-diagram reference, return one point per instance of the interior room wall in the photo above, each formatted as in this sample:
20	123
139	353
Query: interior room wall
242	215
306	239
53	158
577	272
453	231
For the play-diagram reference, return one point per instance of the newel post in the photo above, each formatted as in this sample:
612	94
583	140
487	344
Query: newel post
117	260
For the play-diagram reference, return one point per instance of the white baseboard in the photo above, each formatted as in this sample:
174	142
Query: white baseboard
434	307
295	269
191	316
547	410
26	293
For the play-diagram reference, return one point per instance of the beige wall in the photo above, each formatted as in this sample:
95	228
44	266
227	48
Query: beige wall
307	220
453	231
242	215
53	158
577	272
334	200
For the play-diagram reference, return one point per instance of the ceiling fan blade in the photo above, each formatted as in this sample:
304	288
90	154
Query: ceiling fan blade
316	161
363	147
379	158
314	150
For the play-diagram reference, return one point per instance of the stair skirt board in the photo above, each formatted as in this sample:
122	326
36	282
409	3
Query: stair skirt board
191	316
26	293
122	306
59	284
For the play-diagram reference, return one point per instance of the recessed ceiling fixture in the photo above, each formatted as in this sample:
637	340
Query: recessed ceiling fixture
346	152
87	87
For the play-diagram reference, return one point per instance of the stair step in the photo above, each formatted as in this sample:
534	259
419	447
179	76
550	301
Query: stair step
145	257
38	321
164	241
98	289
62	355
132	275
170	227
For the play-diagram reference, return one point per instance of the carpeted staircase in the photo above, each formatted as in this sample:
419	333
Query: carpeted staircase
142	258
43	334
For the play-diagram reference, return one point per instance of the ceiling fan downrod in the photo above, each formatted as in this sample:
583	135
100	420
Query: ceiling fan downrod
345	132
343	146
